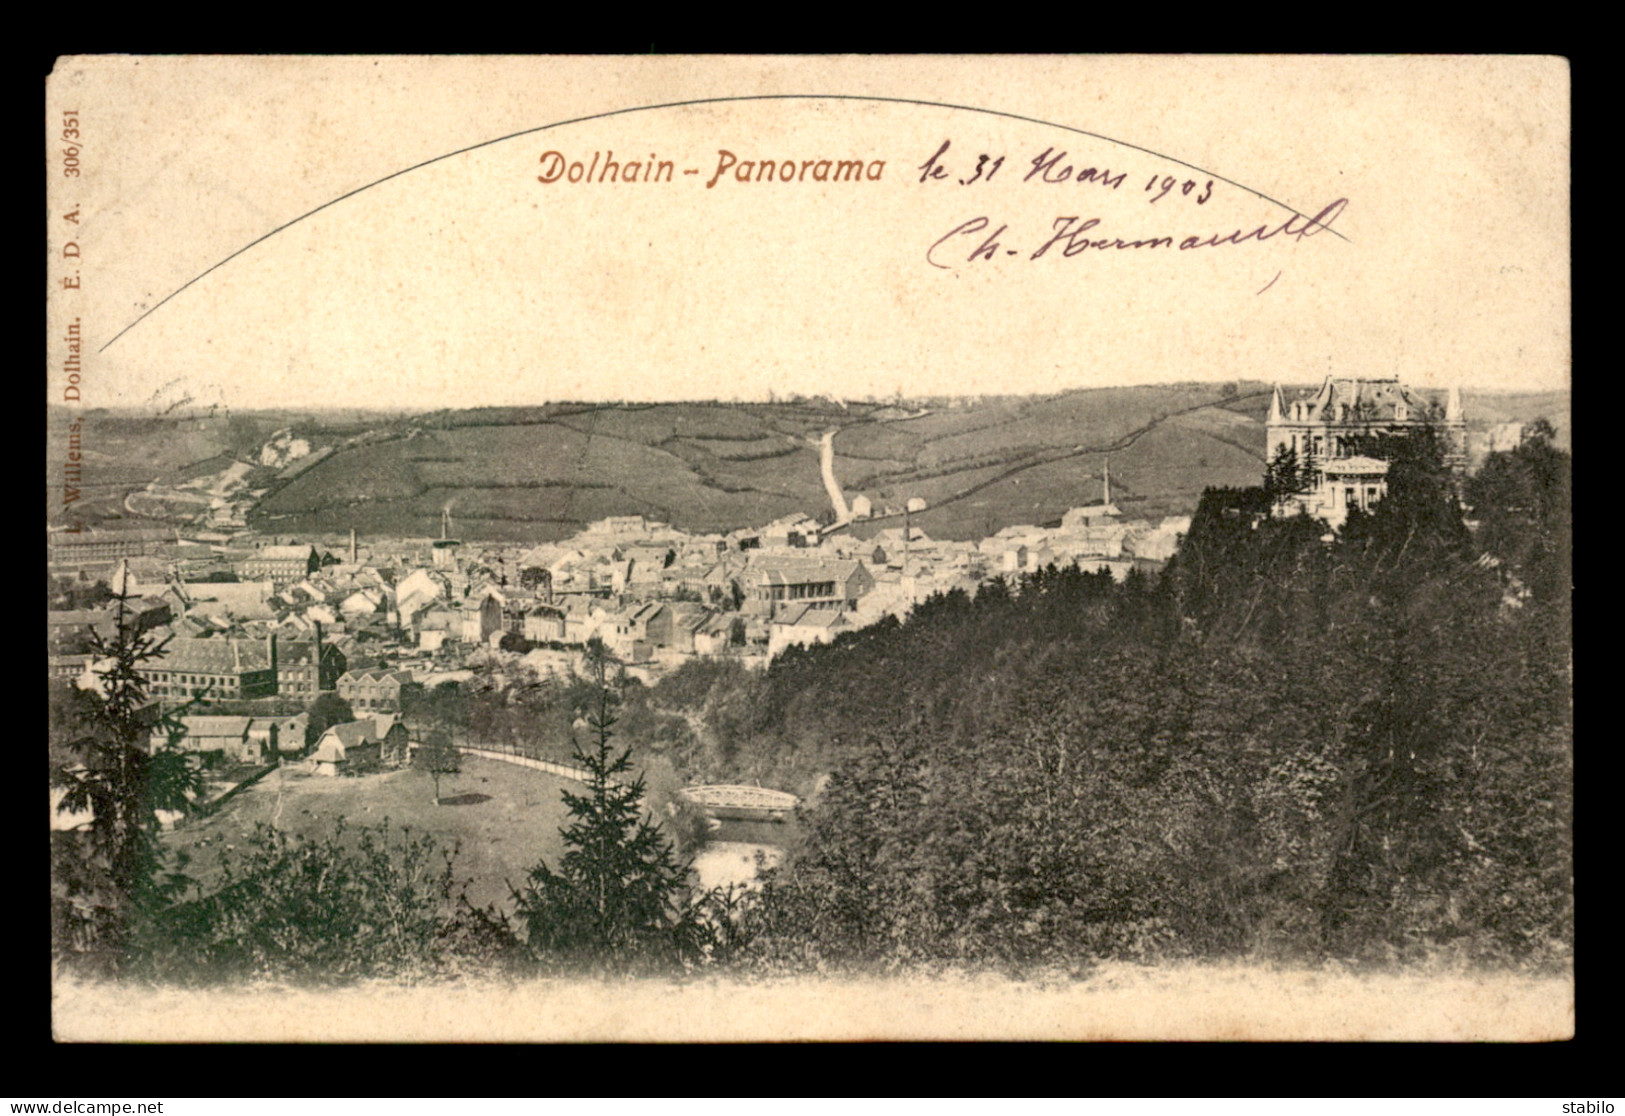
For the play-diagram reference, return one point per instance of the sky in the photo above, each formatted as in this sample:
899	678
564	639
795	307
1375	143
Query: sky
470	281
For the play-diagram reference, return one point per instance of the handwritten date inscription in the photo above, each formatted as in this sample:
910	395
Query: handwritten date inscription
1054	168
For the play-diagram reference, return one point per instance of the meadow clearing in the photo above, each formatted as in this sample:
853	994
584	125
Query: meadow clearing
501	818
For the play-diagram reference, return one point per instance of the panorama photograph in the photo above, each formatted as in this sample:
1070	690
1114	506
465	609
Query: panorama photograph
859	547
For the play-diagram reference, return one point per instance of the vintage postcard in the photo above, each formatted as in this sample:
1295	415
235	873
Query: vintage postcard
833	548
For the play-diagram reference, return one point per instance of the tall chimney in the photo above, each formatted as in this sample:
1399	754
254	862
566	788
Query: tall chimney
352	546
270	649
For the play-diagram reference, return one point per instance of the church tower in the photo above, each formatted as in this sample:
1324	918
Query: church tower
444	549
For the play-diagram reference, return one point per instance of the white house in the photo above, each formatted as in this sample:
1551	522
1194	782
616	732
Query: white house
805	625
363	602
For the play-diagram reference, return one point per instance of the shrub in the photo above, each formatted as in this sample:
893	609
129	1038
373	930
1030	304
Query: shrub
372	903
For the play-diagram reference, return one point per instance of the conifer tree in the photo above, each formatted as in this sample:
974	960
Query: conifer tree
619	897
1282	478
109	872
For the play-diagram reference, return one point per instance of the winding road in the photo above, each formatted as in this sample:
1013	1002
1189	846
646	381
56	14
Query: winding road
826	455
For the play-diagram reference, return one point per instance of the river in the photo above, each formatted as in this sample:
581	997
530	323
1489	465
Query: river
730	855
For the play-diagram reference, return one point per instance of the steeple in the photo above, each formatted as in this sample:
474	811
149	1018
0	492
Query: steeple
1323	399
1277	408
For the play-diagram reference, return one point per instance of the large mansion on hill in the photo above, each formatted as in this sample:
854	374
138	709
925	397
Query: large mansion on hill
1336	433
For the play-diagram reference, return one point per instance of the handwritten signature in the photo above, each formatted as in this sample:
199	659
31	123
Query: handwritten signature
1072	236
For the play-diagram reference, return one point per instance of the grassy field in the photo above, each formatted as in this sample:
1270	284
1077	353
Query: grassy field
543	472
507	819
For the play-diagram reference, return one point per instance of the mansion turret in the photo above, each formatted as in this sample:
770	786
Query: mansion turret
1336	433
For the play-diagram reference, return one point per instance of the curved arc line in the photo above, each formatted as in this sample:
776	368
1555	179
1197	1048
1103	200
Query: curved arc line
689	104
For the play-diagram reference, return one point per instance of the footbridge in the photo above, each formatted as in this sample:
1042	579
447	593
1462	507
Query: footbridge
733	802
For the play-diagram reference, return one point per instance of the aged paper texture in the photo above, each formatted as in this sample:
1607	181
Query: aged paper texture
232	236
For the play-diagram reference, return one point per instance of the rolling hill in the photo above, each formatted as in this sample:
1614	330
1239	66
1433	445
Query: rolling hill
541	473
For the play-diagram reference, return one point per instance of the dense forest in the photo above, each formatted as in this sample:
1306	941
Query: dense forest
1293	745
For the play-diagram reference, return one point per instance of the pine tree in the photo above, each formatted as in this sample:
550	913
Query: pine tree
619	898
1282	477
106	875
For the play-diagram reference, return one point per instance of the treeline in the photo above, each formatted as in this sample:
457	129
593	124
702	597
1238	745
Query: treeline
1293	746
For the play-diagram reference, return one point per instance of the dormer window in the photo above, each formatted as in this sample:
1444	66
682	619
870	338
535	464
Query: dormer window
1400	412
